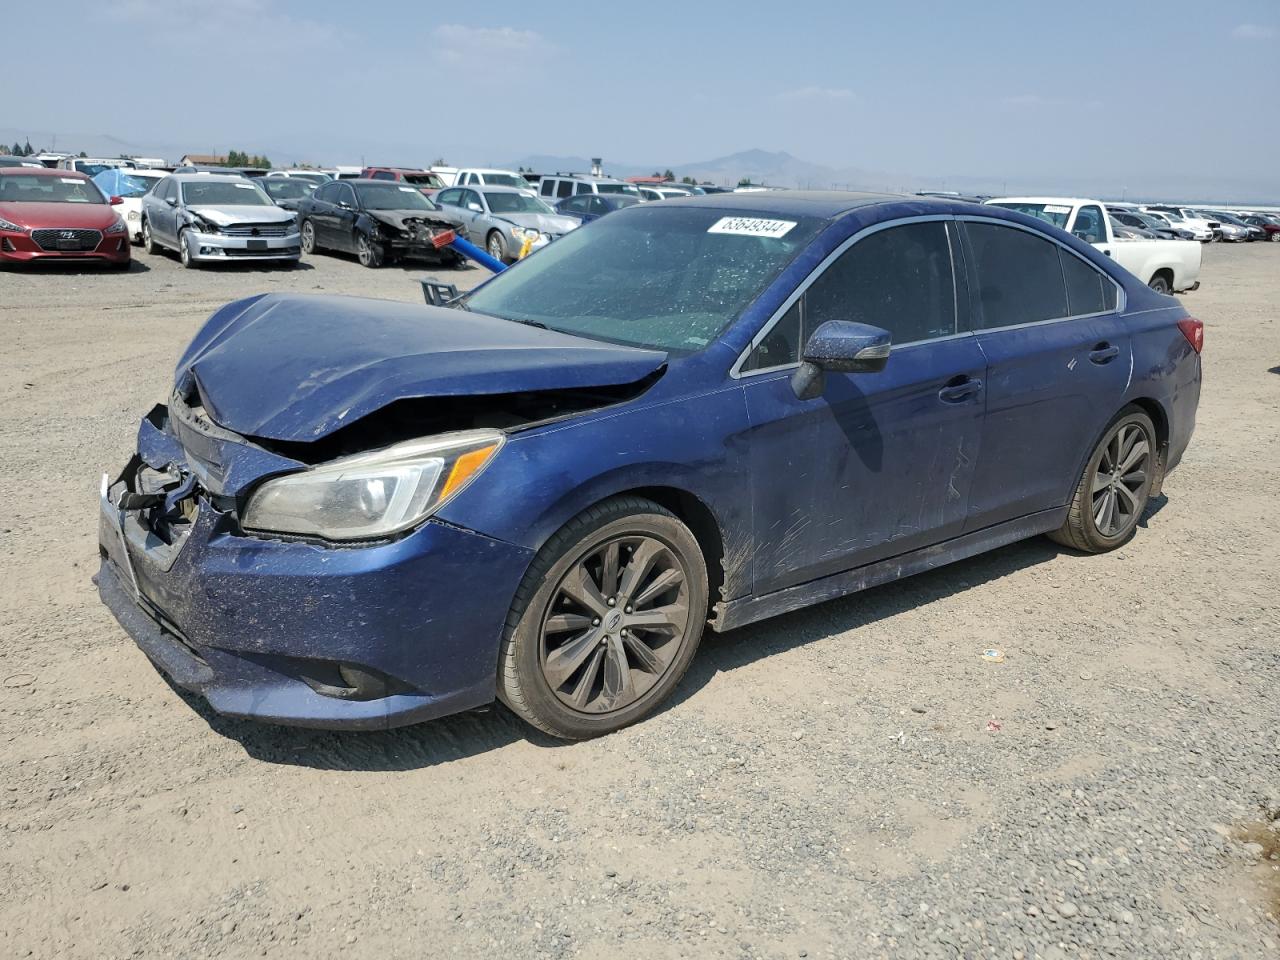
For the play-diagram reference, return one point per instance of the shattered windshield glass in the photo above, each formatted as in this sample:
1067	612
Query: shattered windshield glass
669	279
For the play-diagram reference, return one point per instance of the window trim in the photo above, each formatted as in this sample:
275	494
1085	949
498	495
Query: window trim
1121	299
737	373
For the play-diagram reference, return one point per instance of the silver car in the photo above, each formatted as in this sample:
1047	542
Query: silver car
208	217
505	219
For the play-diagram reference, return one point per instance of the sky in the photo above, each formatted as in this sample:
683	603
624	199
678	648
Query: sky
1171	91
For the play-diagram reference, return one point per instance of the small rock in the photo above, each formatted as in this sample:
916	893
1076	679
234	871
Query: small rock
1253	851
919	710
1126	917
1067	910
1033	911
97	885
611	873
797	735
1086	675
227	927
351	938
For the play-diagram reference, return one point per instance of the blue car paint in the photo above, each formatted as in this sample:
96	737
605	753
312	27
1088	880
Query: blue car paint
856	458
296	368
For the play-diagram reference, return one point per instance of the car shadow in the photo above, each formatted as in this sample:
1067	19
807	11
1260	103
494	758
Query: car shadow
411	265
72	268
1275	369
477	732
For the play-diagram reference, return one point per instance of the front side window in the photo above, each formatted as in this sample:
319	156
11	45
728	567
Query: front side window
671	279
449	197
781	345
898	279
327	193
1019	276
515	203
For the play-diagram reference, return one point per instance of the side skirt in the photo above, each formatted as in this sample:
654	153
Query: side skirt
738	613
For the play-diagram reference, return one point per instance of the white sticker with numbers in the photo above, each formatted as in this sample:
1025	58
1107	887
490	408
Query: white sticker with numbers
752	227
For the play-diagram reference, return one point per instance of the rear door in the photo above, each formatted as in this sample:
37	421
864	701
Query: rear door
323	212
880	463
1059	359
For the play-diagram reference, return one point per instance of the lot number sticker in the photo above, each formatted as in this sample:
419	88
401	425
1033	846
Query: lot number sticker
752	227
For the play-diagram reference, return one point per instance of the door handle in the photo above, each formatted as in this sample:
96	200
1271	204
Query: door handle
1104	353
959	390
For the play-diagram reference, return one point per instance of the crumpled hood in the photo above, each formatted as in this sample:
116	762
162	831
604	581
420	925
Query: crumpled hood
240	213
295	367
399	218
552	223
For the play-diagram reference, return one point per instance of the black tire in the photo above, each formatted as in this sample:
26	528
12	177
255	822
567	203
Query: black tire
496	246
1160	284
148	239
184	251
308	237
522	683
367	252
1081	530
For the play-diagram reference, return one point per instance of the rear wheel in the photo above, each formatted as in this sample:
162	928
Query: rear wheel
1113	491
606	621
1275	237
1160	284
367	252
308	237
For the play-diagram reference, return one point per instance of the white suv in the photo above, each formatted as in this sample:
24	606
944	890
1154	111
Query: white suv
480	177
560	185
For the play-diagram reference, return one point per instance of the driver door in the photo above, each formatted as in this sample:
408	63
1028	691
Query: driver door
880	463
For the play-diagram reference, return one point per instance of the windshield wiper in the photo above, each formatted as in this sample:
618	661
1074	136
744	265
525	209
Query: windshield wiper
529	323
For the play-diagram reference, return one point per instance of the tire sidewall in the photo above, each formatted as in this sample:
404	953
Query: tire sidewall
1159	285
1131	415
308	237
527	639
502	246
184	250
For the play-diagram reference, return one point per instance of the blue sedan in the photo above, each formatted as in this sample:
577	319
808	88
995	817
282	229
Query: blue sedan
704	412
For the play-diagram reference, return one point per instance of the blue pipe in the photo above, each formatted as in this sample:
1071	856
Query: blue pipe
472	252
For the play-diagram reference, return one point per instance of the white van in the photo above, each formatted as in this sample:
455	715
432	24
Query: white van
557	186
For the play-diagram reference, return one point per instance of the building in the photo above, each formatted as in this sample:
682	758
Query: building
202	160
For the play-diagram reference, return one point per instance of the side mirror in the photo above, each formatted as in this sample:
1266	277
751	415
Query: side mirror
842	347
171	201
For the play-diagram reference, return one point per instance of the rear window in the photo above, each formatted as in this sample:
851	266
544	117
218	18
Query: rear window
1019	276
1084	285
1055	213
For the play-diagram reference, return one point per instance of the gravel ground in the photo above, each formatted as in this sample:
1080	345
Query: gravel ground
830	783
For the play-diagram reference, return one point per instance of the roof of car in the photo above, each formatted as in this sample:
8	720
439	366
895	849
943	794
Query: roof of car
492	188
41	172
207	177
807	203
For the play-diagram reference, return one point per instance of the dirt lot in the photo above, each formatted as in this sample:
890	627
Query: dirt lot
824	784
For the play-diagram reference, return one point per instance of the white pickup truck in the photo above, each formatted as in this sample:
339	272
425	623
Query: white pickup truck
1169	266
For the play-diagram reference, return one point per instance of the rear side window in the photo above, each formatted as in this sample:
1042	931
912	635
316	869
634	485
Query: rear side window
1086	287
547	188
564	188
898	279
1018	277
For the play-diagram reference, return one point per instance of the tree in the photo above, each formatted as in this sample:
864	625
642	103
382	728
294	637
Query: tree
83	154
27	151
689	180
439	162
17	149
668	175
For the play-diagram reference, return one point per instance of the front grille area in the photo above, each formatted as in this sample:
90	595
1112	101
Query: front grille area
273	252
260	230
67	239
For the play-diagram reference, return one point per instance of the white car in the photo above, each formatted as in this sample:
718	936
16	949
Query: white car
129	206
1169	266
1205	230
484	177
313	176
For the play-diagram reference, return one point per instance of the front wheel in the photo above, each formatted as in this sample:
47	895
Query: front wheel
1113	491
1274	237
184	250
308	237
496	246
1160	284
606	620
367	252
148	239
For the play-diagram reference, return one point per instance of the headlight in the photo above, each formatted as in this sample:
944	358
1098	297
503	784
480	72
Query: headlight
372	494
12	227
115	229
133	215
203	225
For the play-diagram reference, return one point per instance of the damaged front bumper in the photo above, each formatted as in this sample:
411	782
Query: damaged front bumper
302	633
221	246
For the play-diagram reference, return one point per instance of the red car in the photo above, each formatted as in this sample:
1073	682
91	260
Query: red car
424	180
58	215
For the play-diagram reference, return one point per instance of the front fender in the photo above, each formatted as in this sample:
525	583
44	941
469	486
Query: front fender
545	476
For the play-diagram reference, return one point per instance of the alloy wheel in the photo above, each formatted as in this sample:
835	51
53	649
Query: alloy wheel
364	251
308	238
616	622
1120	482
495	247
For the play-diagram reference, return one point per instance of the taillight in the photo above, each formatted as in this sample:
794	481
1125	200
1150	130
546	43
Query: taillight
1193	330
